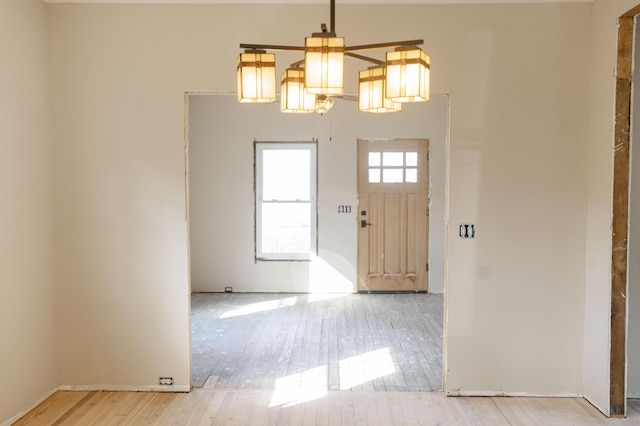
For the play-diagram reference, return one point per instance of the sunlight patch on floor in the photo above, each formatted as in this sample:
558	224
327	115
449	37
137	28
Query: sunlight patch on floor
312	384
364	368
254	308
300	388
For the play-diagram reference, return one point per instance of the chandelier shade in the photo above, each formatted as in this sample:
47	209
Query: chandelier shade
371	91
324	64
316	81
256	73
408	70
293	97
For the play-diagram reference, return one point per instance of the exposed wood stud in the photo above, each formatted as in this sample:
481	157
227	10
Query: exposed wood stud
620	213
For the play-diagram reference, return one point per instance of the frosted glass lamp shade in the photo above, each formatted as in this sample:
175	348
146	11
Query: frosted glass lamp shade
323	64
407	75
371	93
256	77
293	97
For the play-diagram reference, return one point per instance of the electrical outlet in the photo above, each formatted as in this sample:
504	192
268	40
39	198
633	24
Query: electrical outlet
228	289
166	381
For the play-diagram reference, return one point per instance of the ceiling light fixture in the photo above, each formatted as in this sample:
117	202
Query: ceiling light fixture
313	84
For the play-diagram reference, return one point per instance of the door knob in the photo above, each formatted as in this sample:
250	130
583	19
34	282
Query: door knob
364	224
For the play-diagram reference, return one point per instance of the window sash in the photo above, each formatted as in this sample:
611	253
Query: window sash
292	227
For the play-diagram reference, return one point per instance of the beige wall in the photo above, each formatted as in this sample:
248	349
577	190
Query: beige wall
27	317
519	85
119	75
518	171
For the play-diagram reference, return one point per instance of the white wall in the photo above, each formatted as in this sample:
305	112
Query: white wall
518	171
221	198
633	343
598	250
119	75
27	315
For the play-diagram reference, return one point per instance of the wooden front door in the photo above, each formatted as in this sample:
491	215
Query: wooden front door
393	222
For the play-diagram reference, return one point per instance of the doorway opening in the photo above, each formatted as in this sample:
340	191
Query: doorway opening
314	298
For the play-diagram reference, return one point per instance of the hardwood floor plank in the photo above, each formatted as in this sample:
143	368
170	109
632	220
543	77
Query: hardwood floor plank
215	402
188	409
92	409
52	409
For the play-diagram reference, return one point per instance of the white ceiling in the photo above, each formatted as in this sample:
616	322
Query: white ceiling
322	1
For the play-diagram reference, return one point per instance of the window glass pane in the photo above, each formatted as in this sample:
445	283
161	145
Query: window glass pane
286	174
286	228
411	159
392	175
374	159
392	159
411	175
374	175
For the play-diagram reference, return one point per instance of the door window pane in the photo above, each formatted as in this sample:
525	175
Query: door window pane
392	175
374	159
411	159
411	175
374	175
392	159
395	167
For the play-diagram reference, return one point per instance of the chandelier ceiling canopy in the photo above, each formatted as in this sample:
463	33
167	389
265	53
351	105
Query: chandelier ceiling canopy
313	83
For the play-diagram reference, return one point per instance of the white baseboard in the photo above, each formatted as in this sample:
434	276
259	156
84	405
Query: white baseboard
457	392
125	388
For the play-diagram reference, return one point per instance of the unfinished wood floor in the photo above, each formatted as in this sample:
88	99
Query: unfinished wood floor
387	342
261	407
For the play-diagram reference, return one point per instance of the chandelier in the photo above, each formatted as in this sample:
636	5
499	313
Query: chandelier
313	83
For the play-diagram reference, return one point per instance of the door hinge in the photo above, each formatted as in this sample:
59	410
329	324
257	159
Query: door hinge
427	266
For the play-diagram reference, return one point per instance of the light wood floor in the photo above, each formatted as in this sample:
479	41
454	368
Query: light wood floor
387	342
304	360
260	407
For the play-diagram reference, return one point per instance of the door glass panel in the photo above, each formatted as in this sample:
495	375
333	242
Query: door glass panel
392	175
374	159
374	175
393	167
392	159
411	175
411	159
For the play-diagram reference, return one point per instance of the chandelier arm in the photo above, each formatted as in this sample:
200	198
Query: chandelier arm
364	58
384	45
271	47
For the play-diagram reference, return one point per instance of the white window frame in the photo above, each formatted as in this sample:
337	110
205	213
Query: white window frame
259	148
